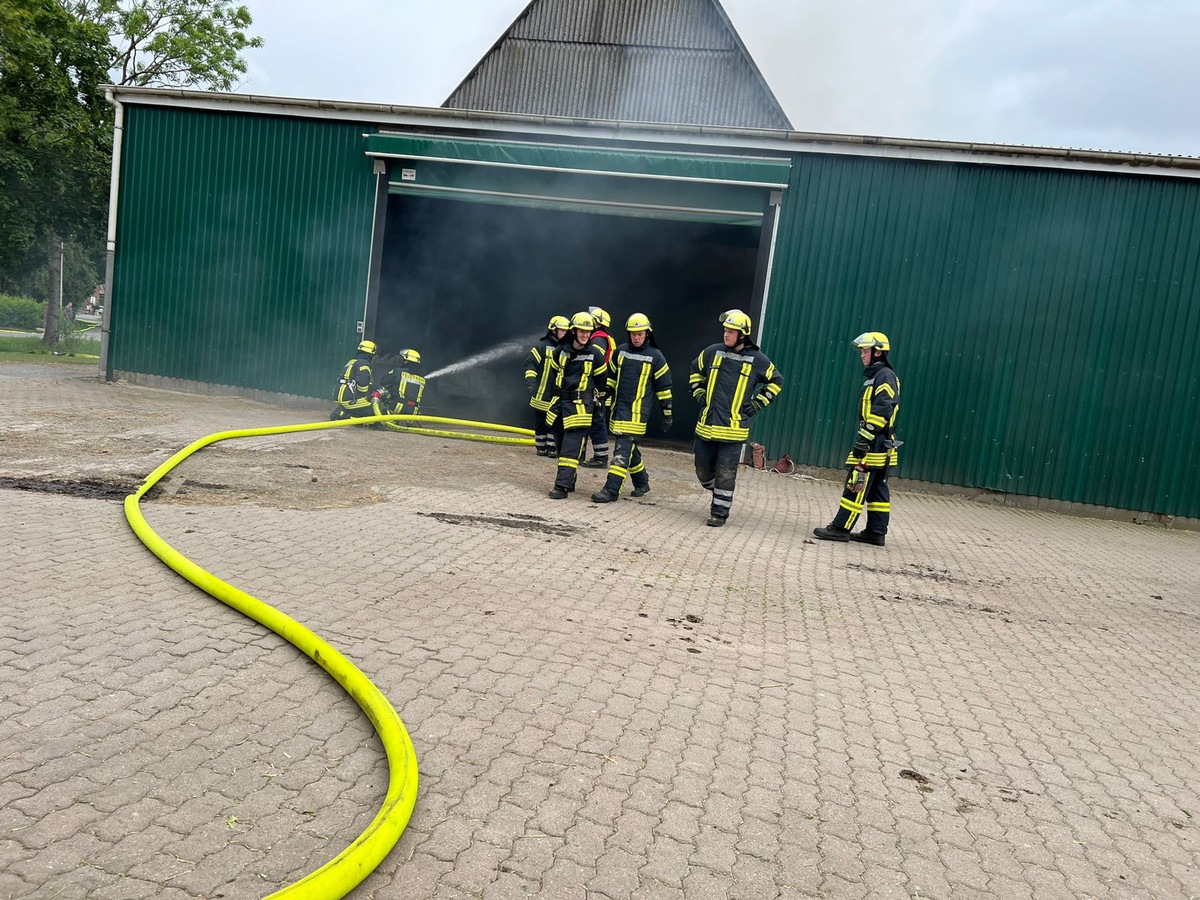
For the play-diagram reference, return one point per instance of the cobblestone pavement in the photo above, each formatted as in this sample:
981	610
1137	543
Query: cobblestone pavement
606	701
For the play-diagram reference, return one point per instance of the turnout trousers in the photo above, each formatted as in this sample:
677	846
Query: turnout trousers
716	468
543	434
626	461
874	497
569	455
599	432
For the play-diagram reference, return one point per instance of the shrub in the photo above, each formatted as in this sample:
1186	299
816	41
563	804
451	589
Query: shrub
24	313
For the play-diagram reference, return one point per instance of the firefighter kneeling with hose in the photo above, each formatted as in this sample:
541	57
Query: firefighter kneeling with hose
400	389
353	393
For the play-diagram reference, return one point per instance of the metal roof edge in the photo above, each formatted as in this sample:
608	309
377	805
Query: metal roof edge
717	136
754	69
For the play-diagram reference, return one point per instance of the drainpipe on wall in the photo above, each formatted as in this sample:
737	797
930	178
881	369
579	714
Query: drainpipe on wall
110	250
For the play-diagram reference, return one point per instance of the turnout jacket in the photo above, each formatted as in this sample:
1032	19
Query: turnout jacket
732	386
578	374
877	408
539	373
354	388
403	388
630	378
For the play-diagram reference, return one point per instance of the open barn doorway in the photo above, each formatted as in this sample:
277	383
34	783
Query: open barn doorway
462	279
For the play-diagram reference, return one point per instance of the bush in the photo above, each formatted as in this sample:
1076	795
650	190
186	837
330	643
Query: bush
23	313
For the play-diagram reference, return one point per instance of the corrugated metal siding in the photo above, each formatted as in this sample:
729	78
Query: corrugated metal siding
243	246
660	23
670	61
1044	325
632	84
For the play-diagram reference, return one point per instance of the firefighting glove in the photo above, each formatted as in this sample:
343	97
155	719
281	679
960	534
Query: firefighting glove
860	448
667	421
857	479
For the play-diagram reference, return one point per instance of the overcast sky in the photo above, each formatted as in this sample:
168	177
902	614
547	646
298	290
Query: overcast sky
1098	74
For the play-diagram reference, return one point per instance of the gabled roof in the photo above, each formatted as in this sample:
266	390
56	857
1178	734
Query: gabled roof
667	61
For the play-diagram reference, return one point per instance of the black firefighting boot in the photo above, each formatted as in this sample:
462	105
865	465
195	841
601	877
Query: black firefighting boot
715	521
640	491
596	462
558	493
874	538
604	495
832	533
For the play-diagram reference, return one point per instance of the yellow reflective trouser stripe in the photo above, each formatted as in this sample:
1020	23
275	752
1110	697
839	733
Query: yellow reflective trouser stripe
879	507
567	462
619	471
640	467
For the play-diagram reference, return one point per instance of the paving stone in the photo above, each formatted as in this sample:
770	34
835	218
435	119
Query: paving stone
1001	703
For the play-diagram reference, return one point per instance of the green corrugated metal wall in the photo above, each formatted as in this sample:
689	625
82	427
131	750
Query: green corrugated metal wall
1044	325
243	246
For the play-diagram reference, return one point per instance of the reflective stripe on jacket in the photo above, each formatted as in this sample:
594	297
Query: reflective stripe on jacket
539	373
729	385
629	380
355	387
877	408
577	374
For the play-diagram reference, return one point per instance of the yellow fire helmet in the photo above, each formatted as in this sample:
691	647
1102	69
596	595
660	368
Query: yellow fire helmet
367	347
737	320
603	319
583	321
875	340
638	322
557	322
410	356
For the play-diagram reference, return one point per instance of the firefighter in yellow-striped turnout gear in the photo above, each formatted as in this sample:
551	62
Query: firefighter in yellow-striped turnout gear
638	373
733	381
353	392
874	451
539	382
579	372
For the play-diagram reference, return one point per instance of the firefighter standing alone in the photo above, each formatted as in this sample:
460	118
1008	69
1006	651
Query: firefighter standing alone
579	367
733	381
874	450
636	366
354	388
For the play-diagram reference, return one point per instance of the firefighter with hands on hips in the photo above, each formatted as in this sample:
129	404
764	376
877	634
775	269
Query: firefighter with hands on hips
733	381
539	381
579	367
638	367
874	450
354	388
400	389
599	430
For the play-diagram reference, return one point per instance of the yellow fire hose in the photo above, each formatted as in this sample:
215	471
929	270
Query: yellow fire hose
345	871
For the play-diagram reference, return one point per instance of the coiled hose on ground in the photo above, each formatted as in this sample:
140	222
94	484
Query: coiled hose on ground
346	870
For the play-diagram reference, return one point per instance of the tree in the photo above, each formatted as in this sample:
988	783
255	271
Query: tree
172	43
53	124
56	125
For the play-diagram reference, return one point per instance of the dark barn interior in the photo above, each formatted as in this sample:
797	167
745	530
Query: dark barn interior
459	279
